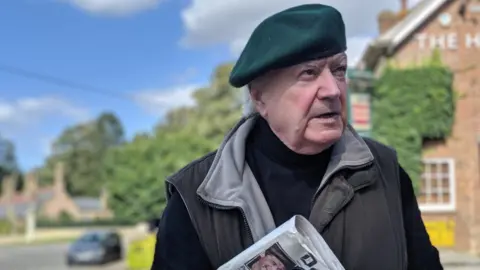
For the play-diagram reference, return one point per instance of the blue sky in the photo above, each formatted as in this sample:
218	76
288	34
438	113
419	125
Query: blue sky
153	52
122	55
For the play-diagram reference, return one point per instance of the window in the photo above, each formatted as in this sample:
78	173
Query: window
437	185
91	238
112	240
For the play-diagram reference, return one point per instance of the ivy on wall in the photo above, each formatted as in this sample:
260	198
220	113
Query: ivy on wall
411	105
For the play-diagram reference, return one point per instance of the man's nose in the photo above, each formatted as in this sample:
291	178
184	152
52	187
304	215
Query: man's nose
328	85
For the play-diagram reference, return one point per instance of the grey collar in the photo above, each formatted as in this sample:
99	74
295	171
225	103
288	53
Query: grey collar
230	182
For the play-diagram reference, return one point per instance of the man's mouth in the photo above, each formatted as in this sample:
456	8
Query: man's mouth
327	115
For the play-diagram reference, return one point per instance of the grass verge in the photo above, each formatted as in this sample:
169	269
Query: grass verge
41	241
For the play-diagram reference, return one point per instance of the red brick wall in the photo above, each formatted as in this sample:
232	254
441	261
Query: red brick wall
61	202
462	145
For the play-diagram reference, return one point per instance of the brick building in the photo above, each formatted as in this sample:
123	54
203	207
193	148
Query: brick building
49	202
450	188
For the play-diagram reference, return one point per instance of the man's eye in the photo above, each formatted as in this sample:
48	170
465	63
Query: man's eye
341	71
309	73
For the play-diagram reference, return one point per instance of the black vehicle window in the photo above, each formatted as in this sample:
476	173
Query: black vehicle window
112	240
90	238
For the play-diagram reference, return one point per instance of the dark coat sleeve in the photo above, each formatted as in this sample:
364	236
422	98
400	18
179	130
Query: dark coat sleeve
178	246
422	255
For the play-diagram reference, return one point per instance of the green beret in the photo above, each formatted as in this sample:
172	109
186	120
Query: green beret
290	37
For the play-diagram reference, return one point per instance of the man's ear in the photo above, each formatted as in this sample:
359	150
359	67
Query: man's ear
257	100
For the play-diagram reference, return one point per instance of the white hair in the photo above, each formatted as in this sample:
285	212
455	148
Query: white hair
248	105
261	82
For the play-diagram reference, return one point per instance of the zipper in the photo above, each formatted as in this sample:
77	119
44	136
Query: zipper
221	207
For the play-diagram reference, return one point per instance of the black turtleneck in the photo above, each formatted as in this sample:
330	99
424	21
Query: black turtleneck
288	180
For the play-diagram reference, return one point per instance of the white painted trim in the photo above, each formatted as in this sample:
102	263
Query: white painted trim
391	39
415	22
451	205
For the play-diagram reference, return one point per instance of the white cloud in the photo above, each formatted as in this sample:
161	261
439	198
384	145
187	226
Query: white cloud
188	75
23	116
115	7
29	122
356	47
159	101
46	145
210	22
25	111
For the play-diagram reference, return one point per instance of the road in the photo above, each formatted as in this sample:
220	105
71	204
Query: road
52	257
471	267
41	257
459	261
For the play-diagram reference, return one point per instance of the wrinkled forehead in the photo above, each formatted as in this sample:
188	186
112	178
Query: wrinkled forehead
339	59
287	74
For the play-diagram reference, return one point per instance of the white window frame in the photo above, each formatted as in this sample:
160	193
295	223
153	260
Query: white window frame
447	206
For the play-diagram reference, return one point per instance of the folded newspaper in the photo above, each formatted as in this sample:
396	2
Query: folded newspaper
295	245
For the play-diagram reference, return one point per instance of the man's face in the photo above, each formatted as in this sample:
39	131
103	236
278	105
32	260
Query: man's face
269	262
305	104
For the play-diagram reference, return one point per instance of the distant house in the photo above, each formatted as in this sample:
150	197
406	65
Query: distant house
49	202
450	184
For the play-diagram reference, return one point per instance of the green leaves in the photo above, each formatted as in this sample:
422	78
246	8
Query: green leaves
410	106
82	148
8	160
136	171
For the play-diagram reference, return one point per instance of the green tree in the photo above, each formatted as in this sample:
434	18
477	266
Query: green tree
8	159
136	171
82	148
218	108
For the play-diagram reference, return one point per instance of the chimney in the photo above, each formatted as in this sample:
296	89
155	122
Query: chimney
59	178
386	20
8	187
403	9
30	185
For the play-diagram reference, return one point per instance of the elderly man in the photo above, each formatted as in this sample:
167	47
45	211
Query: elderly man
295	155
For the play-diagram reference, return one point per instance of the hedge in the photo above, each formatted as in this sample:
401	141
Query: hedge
7	228
42	223
410	106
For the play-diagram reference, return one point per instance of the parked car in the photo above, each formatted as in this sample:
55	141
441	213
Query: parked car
95	247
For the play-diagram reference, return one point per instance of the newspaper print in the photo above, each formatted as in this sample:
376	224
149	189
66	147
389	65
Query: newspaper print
295	245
